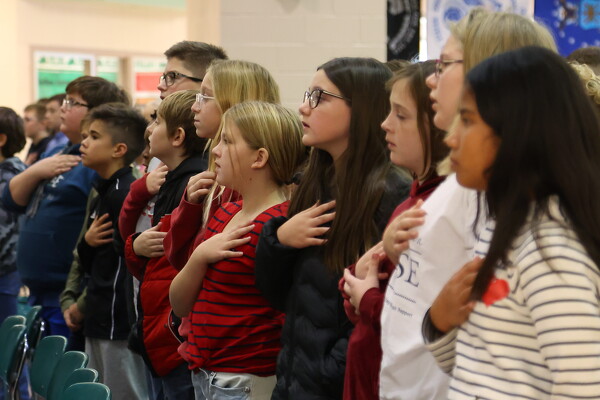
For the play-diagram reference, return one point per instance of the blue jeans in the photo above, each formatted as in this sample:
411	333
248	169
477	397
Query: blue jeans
51	313
177	384
210	385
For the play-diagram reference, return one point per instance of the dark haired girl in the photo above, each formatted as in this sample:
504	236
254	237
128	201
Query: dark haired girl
525	322
301	258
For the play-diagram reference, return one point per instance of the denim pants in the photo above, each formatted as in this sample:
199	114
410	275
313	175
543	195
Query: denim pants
209	385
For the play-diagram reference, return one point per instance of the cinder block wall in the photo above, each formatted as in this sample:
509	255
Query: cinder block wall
292	37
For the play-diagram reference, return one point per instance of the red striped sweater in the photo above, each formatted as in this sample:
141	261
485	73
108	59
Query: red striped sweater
233	327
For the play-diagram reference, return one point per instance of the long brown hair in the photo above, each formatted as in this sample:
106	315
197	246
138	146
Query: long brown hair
432	138
358	183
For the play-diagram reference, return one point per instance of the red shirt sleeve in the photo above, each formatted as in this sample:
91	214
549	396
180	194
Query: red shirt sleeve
134	204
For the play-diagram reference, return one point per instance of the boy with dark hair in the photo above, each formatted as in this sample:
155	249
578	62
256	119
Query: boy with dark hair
173	141
115	139
36	131
53	195
187	62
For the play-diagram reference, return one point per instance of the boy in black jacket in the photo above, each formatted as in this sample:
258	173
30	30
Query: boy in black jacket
115	139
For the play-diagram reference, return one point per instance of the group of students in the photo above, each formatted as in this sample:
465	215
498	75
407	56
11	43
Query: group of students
271	255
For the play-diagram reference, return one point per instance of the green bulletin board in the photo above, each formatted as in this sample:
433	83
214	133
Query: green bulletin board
108	68
55	71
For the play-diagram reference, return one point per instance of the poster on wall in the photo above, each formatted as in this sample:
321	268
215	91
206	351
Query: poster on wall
574	23
53	71
442	13
108	67
403	29
146	74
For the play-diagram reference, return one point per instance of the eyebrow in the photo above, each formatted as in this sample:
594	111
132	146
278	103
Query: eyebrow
464	110
394	104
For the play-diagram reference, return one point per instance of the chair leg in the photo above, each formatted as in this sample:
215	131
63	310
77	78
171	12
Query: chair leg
14	392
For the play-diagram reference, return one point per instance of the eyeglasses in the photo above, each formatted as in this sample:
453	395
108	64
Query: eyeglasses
170	77
440	65
314	97
70	103
202	98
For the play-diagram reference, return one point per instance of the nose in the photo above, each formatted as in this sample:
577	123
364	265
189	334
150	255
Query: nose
385	125
451	139
217	150
162	86
431	81
196	107
304	108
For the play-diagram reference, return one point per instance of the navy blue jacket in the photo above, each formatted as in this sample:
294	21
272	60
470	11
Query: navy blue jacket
51	225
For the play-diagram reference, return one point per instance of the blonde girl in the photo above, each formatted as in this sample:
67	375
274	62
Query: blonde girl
235	334
225	84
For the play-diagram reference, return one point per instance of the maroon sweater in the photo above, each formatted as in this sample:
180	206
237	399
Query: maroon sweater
363	358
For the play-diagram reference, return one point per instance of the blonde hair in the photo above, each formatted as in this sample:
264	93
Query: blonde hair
459	29
591	82
236	81
272	127
484	34
493	33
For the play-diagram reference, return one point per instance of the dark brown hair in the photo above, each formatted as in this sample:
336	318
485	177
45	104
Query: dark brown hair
39	109
11	125
95	91
358	183
196	56
124	125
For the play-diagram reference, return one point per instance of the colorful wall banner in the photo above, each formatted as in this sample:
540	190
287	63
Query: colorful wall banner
574	23
146	73
442	13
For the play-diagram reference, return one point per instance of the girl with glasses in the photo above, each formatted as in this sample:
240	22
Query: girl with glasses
346	194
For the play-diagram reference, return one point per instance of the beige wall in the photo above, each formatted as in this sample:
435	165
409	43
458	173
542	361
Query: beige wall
292	37
112	29
289	37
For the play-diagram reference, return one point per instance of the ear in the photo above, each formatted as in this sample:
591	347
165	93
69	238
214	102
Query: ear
262	156
178	137
3	139
119	150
